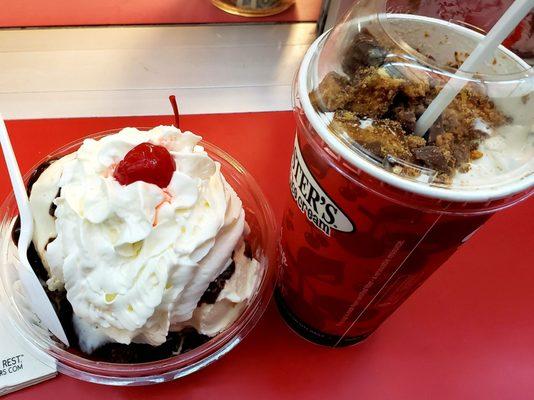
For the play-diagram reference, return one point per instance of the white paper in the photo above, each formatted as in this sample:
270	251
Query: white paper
20	364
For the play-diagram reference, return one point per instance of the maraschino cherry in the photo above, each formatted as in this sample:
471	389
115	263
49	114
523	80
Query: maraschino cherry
146	162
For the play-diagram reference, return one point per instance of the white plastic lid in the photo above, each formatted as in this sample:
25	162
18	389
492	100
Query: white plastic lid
408	45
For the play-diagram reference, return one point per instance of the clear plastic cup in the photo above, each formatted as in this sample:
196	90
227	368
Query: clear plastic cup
262	240
359	233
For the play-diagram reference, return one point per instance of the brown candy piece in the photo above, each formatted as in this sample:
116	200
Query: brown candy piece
363	51
382	138
374	94
333	93
433	157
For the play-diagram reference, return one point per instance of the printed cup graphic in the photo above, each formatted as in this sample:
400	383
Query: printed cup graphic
311	199
358	237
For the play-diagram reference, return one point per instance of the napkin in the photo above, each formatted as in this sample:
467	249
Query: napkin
21	364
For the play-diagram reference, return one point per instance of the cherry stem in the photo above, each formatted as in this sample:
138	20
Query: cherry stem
174	105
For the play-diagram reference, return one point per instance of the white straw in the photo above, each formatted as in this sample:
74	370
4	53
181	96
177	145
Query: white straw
485	49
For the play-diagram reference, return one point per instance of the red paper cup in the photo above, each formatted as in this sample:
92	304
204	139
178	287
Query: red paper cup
358	239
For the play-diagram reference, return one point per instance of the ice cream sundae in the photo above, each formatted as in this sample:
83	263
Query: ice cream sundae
141	244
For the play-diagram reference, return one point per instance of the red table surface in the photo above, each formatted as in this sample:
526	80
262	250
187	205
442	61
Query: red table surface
468	333
130	12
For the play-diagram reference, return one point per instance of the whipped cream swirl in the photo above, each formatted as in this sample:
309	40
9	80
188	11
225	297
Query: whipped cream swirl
135	259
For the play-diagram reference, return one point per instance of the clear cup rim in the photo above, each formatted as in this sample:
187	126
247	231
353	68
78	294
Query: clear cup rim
113	373
362	161
385	18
